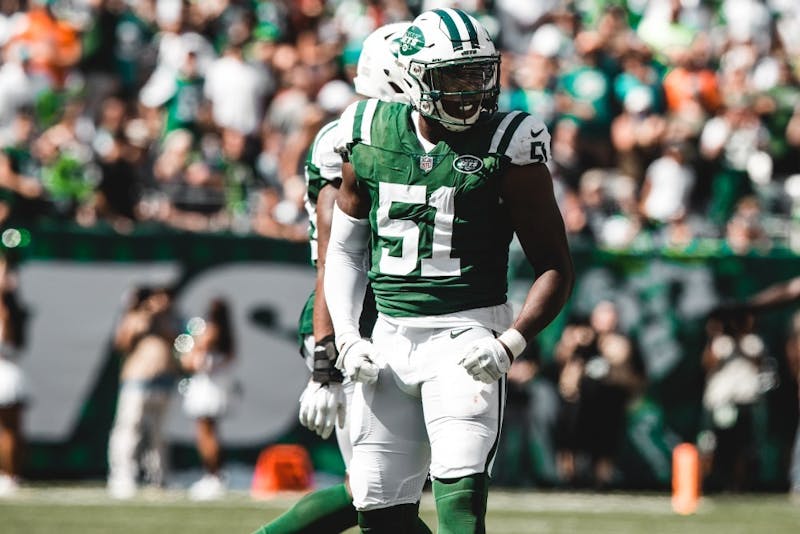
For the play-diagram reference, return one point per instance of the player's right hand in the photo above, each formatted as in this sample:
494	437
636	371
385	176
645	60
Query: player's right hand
322	406
357	360
486	361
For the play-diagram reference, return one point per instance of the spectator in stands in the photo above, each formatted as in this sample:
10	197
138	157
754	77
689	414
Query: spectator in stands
745	231
667	186
209	394
236	91
736	316
729	140
16	84
691	88
600	373
144	338
735	363
584	96
535	75
13	387
53	45
21	195
637	132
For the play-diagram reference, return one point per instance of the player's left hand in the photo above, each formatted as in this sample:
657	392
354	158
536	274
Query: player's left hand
486	361
322	406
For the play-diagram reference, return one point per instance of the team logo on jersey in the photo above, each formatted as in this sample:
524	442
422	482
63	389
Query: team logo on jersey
467	164
412	41
426	163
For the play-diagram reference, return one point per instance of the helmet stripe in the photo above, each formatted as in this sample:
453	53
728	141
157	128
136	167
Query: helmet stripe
473	35
452	29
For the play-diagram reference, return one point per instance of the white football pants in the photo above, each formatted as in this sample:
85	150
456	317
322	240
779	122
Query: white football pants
424	414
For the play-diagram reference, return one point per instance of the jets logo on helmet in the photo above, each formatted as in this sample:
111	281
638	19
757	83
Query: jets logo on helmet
451	68
412	41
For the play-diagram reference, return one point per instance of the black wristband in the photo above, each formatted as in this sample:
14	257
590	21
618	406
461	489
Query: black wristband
324	359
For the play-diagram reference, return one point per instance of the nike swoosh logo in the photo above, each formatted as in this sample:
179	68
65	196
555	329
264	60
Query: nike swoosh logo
536	134
455	333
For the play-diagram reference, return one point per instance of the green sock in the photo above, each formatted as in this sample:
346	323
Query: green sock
461	504
325	511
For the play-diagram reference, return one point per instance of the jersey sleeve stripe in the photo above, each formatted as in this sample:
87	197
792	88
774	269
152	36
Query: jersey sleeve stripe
508	135
473	35
366	121
452	29
345	131
501	129
357	119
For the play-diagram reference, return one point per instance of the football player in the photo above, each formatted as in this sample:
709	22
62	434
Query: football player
323	404
431	194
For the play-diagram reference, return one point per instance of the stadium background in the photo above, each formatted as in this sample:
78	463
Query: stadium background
74	371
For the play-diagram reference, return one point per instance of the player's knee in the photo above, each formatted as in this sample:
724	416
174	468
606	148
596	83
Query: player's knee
461	504
398	519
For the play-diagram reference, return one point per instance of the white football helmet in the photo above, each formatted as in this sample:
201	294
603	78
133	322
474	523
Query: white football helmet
378	74
451	68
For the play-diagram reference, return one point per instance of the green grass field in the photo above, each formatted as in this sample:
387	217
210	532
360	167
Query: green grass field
84	509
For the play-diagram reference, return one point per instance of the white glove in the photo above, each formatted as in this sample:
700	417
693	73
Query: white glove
322	406
486	361
357	360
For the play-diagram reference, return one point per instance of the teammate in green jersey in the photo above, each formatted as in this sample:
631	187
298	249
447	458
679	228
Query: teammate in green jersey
431	195
323	404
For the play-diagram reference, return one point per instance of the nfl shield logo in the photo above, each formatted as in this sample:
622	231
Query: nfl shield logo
426	163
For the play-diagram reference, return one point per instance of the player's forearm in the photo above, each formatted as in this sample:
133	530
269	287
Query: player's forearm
321	322
321	319
545	299
345	279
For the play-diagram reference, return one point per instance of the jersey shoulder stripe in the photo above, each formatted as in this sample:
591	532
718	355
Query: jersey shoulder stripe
355	125
522	138
362	121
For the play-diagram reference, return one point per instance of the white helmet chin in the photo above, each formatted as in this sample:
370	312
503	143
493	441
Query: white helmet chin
451	68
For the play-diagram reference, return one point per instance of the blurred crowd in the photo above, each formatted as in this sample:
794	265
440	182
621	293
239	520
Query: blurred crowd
675	123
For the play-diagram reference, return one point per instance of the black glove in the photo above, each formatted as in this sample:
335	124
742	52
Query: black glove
324	359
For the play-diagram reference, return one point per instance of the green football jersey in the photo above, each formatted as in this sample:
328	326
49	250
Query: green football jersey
439	232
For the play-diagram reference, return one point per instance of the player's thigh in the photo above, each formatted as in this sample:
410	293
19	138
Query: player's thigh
462	415
343	433
390	443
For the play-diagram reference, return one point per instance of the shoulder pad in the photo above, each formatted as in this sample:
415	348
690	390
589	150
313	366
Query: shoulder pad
323	155
355	125
522	138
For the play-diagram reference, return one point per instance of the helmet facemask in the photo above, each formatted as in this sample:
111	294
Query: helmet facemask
458	93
